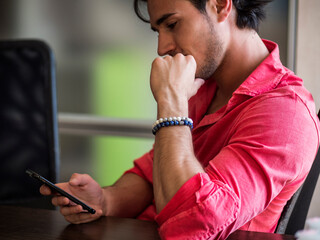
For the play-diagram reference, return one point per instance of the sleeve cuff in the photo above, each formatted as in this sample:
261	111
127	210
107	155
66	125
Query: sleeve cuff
201	208
182	200
143	166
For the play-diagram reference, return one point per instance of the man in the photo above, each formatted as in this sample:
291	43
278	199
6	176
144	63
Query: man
254	136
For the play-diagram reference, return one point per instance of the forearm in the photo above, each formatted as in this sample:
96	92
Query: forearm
174	159
128	197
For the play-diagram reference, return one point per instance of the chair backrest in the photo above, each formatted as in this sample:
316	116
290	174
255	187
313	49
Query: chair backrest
295	212
28	125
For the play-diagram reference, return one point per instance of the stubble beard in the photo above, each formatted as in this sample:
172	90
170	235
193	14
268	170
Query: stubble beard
213	53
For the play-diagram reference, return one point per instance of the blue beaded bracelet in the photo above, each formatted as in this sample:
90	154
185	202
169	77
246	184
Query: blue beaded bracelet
171	121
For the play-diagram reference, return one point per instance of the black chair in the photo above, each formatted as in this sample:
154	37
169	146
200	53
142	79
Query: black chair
28	125
295	211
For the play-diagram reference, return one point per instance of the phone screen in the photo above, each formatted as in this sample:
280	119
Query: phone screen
59	190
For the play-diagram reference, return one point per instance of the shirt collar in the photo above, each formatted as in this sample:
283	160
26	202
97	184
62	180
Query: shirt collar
266	76
263	79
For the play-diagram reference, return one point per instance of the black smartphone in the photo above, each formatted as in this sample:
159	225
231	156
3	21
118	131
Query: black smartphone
59	190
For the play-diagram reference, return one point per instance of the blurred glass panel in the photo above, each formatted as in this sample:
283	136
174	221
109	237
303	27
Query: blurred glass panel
104	158
104	54
120	88
114	155
275	26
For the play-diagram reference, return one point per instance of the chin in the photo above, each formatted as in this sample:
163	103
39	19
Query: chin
206	72
205	76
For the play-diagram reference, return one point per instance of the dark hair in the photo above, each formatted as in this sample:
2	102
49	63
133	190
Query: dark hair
249	12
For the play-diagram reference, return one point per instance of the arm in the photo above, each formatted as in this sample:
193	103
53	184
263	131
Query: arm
129	196
126	198
173	83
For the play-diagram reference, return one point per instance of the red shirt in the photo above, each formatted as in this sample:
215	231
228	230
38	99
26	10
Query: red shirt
256	152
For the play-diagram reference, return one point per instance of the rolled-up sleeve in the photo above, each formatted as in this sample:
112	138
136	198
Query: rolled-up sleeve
143	166
202	208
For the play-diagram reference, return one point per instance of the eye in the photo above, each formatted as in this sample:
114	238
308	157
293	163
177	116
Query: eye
171	25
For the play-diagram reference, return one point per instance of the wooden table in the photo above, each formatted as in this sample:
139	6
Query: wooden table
17	223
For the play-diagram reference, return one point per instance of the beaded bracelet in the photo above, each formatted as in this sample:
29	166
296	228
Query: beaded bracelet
171	121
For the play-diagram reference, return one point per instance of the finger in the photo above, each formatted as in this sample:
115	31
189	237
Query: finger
167	57
191	58
198	82
70	210
60	201
44	190
83	217
156	62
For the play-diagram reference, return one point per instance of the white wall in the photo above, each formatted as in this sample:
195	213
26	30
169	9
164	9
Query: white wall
308	64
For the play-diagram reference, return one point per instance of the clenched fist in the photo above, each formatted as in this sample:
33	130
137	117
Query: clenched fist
173	82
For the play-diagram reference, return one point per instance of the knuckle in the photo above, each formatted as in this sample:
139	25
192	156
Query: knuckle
58	201
43	190
77	209
74	175
61	201
190	58
86	176
156	61
179	56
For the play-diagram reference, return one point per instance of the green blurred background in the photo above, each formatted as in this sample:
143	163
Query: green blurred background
103	56
120	84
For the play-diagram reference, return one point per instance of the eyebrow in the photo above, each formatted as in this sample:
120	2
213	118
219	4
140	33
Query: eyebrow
162	19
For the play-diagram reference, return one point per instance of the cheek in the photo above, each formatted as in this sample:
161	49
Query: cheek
192	40
199	50
186	38
187	43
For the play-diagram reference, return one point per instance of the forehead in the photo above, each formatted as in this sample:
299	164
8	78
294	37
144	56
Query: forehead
159	8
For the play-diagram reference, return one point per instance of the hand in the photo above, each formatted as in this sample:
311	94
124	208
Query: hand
173	80
87	190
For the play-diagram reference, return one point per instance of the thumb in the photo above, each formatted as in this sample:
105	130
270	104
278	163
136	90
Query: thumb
199	82
79	179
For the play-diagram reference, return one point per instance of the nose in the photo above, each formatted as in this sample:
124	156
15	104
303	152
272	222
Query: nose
166	44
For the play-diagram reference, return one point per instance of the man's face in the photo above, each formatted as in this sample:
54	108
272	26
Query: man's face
183	29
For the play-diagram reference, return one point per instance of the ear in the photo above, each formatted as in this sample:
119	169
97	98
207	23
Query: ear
222	8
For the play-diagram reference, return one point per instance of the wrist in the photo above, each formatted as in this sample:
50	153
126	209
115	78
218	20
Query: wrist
167	109
105	201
